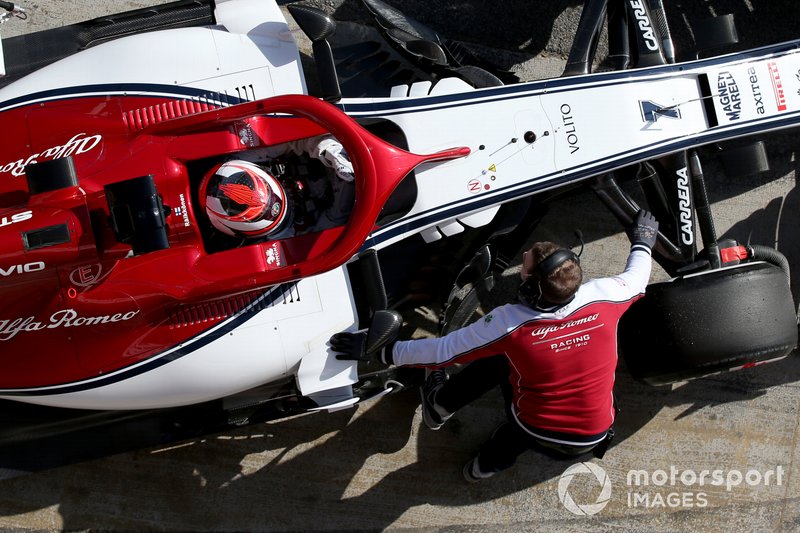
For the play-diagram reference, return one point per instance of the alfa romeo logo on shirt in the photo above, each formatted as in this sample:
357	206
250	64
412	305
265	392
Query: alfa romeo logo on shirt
599	476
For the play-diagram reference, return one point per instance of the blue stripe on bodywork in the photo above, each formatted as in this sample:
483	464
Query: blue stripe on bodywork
127	89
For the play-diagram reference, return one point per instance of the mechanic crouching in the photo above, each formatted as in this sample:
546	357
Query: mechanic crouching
553	353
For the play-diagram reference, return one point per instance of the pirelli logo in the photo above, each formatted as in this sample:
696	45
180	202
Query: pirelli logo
777	85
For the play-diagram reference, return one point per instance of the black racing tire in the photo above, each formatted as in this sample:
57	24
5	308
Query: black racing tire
707	323
465	309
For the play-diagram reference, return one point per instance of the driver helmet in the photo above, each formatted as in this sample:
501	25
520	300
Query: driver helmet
243	200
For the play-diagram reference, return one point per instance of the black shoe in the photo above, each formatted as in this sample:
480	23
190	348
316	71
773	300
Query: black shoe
472	472
435	381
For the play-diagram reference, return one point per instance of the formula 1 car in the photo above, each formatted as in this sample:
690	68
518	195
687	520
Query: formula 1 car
117	295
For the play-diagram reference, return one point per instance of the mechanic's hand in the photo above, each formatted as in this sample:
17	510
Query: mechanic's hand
375	344
353	347
644	229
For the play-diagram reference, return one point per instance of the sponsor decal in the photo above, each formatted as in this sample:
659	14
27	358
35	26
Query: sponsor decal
645	26
543	331
78	144
777	85
757	97
685	207
273	254
66	318
474	186
183	212
86	275
729	96
569	128
16	217
276	209
24	268
573	342
651	111
797	75
247	136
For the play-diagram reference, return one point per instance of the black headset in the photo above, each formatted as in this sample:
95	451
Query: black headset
550	264
530	292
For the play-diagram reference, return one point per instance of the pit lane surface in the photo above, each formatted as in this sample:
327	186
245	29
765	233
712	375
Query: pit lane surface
377	467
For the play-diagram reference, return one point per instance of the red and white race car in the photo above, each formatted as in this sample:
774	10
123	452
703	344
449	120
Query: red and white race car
118	293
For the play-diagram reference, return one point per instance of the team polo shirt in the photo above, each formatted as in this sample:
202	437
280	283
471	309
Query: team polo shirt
562	362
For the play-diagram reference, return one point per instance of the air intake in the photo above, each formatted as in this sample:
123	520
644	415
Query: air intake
223	308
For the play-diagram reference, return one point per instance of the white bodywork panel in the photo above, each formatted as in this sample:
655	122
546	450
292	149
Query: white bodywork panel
582	127
573	129
251	55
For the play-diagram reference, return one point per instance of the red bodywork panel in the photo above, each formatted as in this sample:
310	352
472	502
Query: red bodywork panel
84	307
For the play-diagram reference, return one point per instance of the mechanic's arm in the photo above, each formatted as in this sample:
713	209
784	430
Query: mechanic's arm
461	346
643	233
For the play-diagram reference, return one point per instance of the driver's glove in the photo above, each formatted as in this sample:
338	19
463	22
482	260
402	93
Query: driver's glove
353	347
331	153
644	230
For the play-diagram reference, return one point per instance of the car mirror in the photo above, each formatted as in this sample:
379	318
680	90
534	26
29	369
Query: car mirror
385	328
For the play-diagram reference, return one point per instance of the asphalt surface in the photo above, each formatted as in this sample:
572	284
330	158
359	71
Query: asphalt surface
377	467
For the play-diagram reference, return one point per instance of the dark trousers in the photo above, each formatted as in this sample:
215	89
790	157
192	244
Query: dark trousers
509	440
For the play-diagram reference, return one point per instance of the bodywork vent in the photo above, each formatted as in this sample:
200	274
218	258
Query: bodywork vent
138	119
223	308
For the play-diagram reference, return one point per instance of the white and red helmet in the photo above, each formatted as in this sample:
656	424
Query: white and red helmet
243	200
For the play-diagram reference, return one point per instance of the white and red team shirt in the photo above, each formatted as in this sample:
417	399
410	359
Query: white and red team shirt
562	362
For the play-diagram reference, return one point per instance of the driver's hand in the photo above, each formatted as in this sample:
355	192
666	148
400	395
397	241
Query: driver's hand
332	154
644	229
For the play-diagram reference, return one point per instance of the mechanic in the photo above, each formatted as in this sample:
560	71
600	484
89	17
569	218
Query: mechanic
554	353
256	197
